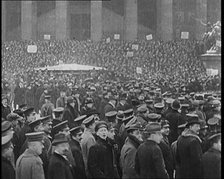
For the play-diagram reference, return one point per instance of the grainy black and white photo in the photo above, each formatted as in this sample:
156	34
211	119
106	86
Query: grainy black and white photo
111	89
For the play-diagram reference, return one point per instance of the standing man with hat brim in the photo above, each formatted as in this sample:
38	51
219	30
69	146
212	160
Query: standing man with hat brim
101	159
8	170
128	151
88	140
211	160
30	116
70	112
189	151
76	136
166	148
14	118
111	105
59	166
47	108
5	107
149	162
174	118
29	165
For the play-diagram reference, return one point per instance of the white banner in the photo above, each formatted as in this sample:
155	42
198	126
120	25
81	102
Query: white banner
32	49
184	35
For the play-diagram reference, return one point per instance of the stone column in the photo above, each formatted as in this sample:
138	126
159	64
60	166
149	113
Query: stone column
3	21
28	20
201	17
96	20
165	19
62	25
131	20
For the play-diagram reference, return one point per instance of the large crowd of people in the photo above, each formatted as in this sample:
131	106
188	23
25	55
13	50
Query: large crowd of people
162	122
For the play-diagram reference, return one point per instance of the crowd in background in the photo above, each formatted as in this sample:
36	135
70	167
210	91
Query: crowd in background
172	63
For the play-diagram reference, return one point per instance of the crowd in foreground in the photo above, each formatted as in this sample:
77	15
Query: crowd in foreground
113	129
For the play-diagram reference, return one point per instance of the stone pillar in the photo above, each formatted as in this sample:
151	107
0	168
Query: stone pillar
165	19
201	17
3	21
62	25
131	20
96	20
28	20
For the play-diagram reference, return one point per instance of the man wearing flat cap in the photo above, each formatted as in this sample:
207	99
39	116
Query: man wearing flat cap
142	113
211	160
76	136
128	151
149	162
48	107
189	151
29	165
5	107
59	166
8	171
111	105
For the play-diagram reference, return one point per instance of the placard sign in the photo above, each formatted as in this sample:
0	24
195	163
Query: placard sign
134	46
149	37
116	36
184	35
47	37
32	49
218	43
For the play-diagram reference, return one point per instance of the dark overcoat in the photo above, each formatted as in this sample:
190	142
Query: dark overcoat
60	168
127	159
149	161
69	114
189	155
211	162
8	172
77	155
174	118
101	160
167	156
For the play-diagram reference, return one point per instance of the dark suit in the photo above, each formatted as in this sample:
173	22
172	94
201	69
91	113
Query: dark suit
149	161
211	161
70	114
77	154
8	171
189	155
60	168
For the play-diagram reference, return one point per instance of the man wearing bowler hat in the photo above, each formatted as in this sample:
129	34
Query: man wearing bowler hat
189	151
174	118
59	166
149	162
29	165
76	136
